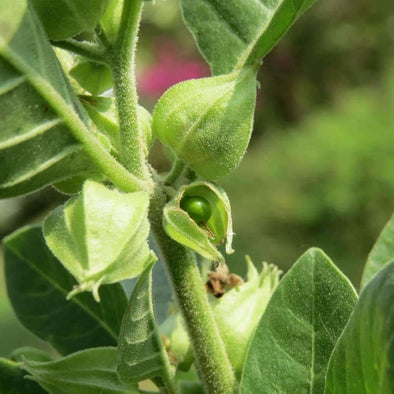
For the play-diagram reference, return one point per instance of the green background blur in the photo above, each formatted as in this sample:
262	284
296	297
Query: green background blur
320	167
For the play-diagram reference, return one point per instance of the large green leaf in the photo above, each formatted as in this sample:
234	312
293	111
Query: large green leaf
37	287
363	359
294	339
232	33
12	379
381	254
90	371
141	352
37	107
66	18
100	236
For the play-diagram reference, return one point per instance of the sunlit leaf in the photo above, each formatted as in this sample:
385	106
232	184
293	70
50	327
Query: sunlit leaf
294	339
100	236
232	33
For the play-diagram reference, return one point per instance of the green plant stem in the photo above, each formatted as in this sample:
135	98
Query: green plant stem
123	72
93	147
212	362
175	172
92	52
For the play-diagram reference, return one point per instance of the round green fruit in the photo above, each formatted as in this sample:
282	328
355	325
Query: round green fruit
197	207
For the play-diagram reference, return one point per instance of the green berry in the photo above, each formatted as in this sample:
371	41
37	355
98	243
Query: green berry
197	207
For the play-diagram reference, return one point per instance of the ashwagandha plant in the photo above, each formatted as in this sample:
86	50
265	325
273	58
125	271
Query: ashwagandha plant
307	333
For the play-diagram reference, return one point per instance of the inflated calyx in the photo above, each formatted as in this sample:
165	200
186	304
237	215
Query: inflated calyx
100	236
208	122
199	217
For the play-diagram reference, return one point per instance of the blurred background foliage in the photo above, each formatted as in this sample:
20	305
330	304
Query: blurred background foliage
319	170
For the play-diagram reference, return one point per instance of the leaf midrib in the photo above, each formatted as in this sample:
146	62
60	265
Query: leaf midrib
249	49
312	369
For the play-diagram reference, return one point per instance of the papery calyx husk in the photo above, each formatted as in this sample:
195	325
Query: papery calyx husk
100	236
237	314
239	310
202	238
208	122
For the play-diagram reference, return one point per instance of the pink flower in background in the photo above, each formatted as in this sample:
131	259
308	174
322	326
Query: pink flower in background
169	69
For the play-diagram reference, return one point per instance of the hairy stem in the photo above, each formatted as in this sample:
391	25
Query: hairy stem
91	51
212	362
93	147
123	71
175	172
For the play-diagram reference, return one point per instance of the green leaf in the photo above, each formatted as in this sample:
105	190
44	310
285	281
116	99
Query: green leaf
141	352
381	254
100	236
233	33
89	371
37	287
12	379
363	359
201	237
295	337
66	18
36	146
93	77
208	122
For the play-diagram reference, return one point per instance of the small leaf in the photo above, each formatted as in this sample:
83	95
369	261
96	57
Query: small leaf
104	115
201	237
66	18
93	77
141	352
363	359
299	328
37	286
100	236
36	145
13	381
89	371
381	254
233	33
208	122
